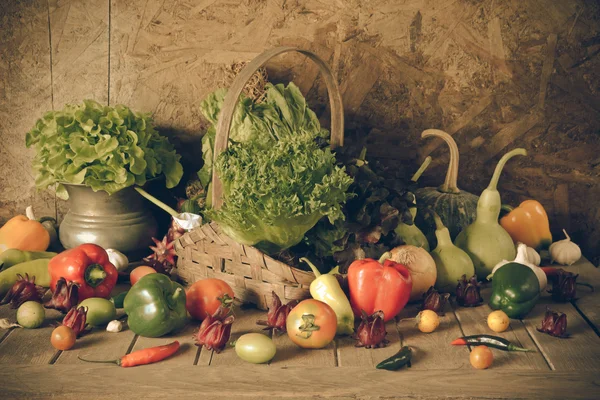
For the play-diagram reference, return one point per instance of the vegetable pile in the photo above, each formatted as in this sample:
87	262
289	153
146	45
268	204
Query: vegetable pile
105	148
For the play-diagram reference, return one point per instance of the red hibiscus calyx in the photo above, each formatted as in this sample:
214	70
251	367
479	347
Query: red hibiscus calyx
371	331
277	314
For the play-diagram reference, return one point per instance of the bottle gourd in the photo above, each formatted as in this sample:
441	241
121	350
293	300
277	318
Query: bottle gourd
485	241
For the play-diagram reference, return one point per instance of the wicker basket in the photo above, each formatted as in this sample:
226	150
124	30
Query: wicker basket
206	252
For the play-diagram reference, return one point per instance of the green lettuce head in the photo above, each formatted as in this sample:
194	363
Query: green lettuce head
105	148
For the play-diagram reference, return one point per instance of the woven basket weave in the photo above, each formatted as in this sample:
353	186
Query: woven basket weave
206	252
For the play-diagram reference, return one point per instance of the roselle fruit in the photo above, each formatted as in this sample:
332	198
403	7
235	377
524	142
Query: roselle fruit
76	319
65	296
277	314
371	331
434	301
554	324
564	286
215	330
24	289
164	256
468	292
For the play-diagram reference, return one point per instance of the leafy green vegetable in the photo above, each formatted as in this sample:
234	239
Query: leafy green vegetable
105	148
278	178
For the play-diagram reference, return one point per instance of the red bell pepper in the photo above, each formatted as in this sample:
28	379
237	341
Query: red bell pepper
379	286
87	265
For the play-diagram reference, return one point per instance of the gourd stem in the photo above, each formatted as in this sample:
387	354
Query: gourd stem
516	152
439	225
449	185
421	169
312	266
156	201
385	256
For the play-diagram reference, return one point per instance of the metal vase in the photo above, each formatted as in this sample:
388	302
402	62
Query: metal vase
119	221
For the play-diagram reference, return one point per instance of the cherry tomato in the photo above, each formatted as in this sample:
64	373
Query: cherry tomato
140	271
481	357
63	338
311	324
202	298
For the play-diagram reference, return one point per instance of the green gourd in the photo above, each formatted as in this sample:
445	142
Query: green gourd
455	207
451	262
485	241
411	234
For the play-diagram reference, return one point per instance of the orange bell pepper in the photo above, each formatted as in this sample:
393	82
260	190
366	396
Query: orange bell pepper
528	224
24	233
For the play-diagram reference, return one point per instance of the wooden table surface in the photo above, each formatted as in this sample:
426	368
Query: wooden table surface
560	368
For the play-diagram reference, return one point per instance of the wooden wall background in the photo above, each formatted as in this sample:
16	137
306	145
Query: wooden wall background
497	74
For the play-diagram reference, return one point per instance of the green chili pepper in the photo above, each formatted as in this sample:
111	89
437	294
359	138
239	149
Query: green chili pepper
397	361
490	341
119	299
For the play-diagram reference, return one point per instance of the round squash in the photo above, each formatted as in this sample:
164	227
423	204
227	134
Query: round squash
456	208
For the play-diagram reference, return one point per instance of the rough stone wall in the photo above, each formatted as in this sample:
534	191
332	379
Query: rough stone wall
494	74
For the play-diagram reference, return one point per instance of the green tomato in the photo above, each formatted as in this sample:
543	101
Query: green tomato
99	311
255	348
31	315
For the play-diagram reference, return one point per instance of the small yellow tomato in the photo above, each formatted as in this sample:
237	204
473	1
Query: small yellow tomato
428	321
498	321
481	357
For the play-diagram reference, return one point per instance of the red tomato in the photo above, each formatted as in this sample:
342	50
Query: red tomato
202	298
138	272
311	324
63	338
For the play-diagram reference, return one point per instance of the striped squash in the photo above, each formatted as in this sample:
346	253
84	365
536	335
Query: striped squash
456	208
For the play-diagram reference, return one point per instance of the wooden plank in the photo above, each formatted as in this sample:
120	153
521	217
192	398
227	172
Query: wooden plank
25	94
348	355
580	352
432	351
510	133
30	346
187	353
245	322
220	383
588	302
473	321
359	82
497	50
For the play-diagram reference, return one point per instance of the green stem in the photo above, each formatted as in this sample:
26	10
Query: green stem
312	266
439	225
449	185
156	201
117	362
94	275
385	256
516	152
421	169
506	208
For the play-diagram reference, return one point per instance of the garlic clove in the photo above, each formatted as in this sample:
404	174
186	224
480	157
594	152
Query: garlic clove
114	326
533	256
118	259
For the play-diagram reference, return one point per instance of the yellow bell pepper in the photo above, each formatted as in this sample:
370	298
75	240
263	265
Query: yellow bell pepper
528	224
24	233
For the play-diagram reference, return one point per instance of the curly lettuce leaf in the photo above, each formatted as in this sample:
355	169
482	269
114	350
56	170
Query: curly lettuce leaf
105	148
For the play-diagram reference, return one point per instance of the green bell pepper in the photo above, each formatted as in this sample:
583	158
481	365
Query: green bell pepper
155	306
515	290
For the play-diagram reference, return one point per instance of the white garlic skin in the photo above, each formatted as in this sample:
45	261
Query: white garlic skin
564	251
533	256
114	326
118	259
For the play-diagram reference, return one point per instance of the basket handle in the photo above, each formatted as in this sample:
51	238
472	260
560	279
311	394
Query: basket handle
233	94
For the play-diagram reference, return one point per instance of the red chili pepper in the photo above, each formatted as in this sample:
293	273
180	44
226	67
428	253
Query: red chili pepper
378	286
142	357
89	266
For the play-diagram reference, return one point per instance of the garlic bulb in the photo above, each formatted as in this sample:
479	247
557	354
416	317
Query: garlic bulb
522	258
114	326
533	256
118	259
564	251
